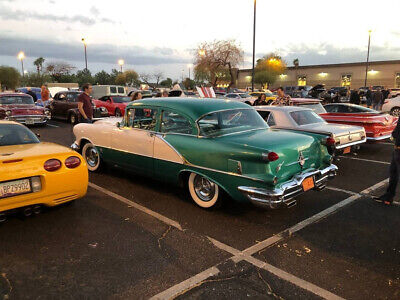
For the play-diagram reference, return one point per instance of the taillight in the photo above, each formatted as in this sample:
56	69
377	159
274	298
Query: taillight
272	156
72	162
52	165
330	141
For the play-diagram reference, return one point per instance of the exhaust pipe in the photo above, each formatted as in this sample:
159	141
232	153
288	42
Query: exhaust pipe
37	209
27	211
3	217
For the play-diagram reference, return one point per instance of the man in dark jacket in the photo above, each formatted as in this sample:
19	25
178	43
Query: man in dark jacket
394	170
32	94
368	95
377	99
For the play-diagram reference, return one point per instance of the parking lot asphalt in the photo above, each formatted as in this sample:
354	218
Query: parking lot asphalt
103	247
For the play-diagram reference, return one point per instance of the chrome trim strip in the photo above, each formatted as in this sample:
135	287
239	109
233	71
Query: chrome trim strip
295	162
383	137
351	144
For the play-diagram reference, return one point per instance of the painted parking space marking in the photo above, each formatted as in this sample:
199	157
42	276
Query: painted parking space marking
340	190
144	209
366	160
51	125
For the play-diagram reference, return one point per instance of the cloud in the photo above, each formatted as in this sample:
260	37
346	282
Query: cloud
97	53
22	15
94	11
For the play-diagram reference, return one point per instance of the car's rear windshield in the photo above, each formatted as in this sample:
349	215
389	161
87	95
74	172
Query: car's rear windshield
317	107
18	100
14	134
121	99
230	121
306	117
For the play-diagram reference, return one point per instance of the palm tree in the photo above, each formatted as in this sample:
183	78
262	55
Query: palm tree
39	64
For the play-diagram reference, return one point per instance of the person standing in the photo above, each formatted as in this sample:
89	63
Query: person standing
261	100
394	170
136	96
377	99
164	93
368	95
45	94
85	105
282	99
32	94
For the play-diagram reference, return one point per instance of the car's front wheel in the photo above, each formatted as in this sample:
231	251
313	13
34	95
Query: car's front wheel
73	119
395	111
92	157
204	192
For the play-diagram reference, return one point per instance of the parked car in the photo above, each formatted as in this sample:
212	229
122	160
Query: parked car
288	90
108	90
377	126
345	137
36	90
392	106
35	174
342	90
220	94
21	108
394	92
318	91
170	139
65	106
301	91
268	94
115	105
241	97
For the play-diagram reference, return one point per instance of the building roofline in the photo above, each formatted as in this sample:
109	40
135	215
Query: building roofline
380	62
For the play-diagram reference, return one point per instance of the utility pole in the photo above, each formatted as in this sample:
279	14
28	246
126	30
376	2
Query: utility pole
366	65
254	45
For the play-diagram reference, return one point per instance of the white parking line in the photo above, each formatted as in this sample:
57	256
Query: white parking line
51	125
246	254
367	160
340	190
154	214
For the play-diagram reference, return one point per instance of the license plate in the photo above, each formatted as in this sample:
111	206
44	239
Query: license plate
13	188
308	184
30	121
346	150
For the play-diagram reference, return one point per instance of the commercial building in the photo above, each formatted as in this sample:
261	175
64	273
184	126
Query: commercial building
386	73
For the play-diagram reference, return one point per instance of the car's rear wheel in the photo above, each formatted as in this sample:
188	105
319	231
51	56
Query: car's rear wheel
204	192
118	113
92	157
73	119
395	111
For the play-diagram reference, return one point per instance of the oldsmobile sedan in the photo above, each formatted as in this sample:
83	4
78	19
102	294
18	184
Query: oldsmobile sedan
209	146
343	137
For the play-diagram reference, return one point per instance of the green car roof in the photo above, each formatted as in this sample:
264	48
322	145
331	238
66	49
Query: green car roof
192	107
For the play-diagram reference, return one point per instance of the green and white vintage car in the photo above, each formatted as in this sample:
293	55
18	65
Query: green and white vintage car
209	146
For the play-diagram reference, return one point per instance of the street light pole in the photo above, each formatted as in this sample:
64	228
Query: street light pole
254	45
366	66
21	56
121	63
84	45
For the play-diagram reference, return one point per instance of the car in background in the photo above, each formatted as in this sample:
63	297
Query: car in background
394	92
301	91
220	94
34	174
377	126
241	97
342	90
56	89
318	91
21	108
344	138
36	90
170	139
115	105
108	90
268	94
65	107
392	106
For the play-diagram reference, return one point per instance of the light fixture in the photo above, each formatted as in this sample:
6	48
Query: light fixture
283	76
372	72
21	55
323	74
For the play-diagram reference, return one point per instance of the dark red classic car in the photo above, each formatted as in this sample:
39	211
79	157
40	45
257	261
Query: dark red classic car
378	126
115	104
21	108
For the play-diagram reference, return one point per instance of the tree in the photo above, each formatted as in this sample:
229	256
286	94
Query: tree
9	77
216	60
132	78
268	69
120	79
103	77
166	82
189	84
58	69
36	79
84	76
145	77
158	75
39	64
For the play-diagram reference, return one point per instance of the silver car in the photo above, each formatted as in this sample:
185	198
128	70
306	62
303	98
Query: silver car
305	119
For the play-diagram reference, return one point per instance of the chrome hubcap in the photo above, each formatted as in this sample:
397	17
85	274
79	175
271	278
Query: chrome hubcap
396	112
92	156
73	119
204	188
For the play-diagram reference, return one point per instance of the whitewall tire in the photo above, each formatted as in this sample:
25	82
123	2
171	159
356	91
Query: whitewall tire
92	157
204	192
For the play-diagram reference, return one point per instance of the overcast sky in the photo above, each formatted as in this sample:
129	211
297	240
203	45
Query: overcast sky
158	35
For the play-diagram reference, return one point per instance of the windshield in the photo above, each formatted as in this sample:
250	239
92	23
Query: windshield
14	134
230	121
244	95
305	117
19	100
316	107
121	99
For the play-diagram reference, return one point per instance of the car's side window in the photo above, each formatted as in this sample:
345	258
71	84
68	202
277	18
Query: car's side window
142	118
104	98
70	98
343	109
61	97
264	114
331	108
172	122
271	120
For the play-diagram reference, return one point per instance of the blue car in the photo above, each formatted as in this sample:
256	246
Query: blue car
33	89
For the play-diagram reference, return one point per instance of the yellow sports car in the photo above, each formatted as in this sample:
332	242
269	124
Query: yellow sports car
33	174
268	94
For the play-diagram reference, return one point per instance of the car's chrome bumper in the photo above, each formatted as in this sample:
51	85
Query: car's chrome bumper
75	147
29	119
350	144
379	138
273	198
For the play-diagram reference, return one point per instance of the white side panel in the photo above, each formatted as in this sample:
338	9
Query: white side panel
133	140
164	151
